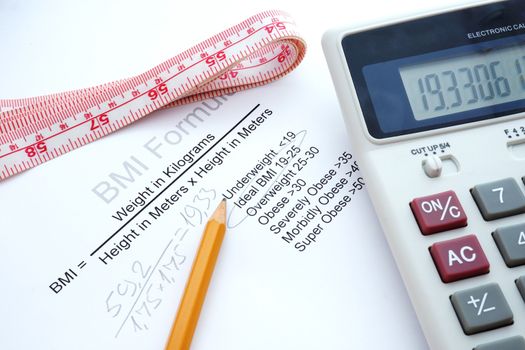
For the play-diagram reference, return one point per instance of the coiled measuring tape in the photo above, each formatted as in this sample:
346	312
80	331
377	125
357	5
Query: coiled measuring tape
257	51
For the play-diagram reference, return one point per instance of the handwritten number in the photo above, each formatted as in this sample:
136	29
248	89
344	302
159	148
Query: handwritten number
138	265
112	308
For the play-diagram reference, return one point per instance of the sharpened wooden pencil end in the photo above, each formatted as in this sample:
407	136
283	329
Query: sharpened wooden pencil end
220	213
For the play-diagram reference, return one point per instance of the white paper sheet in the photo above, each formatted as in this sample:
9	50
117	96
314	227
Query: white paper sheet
341	291
284	286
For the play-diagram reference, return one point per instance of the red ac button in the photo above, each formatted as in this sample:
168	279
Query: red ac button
459	258
467	254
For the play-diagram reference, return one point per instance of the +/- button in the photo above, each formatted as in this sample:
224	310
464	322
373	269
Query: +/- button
481	309
433	166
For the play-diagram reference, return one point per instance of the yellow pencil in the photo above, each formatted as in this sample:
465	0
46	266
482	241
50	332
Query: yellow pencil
197	285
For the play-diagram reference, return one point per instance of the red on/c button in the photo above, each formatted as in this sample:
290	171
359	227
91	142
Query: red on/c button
438	212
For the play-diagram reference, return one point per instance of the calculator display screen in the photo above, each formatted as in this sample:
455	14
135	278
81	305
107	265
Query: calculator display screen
437	71
464	83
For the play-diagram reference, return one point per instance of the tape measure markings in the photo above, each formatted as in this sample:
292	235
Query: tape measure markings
46	99
80	107
25	102
105	98
199	74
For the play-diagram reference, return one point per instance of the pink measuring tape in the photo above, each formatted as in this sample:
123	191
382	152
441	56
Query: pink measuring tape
257	51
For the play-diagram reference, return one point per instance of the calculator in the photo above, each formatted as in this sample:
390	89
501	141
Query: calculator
435	109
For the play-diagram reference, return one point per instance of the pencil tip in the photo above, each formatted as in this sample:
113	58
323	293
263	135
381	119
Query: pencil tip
220	212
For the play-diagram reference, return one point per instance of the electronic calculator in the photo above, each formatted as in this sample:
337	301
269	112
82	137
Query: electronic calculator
435	109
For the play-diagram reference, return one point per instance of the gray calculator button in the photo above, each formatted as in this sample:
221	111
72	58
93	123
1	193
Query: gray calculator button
520	282
511	243
499	199
513	343
482	308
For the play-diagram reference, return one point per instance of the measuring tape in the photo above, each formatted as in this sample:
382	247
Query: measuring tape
257	51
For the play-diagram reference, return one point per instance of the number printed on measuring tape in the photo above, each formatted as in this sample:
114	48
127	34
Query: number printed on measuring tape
257	51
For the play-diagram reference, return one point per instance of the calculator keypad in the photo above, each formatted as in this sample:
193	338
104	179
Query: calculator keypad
499	199
459	258
512	343
511	243
482	308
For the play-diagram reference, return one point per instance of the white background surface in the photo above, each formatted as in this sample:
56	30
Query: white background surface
51	46
57	45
